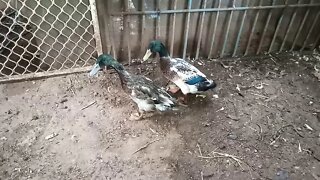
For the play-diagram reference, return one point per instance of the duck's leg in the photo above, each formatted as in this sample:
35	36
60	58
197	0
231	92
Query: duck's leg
137	116
182	100
172	88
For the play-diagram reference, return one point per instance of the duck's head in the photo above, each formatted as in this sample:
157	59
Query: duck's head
155	47
103	61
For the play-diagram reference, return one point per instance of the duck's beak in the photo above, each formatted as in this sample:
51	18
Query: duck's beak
147	55
94	71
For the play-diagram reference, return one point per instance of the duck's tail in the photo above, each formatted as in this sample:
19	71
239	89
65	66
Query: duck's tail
206	85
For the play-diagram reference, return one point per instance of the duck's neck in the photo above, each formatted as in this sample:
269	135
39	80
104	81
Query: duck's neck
123	74
163	52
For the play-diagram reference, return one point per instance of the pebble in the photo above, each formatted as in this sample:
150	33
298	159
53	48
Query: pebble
64	100
50	136
35	117
74	138
232	136
281	175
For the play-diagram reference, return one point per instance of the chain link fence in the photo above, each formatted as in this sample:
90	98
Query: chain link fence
47	37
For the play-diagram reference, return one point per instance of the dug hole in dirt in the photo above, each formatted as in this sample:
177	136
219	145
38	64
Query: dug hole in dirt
261	122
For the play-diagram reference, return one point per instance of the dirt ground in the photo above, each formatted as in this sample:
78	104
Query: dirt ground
261	122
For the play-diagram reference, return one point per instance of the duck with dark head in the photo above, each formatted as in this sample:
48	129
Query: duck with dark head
185	76
148	96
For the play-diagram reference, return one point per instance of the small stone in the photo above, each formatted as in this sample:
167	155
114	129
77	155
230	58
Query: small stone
63	100
281	175
90	123
206	124
50	136
276	145
308	127
9	111
3	139
208	172
233	117
35	117
232	136
222	146
74	138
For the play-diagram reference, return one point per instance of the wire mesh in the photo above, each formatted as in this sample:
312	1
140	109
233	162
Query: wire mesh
46	36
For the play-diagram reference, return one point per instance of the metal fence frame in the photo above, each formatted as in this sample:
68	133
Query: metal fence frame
218	10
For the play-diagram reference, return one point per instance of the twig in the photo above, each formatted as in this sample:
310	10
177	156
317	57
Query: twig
92	103
145	146
315	176
71	87
225	66
199	150
274	141
260	138
223	155
201	175
277	134
260	95
299	147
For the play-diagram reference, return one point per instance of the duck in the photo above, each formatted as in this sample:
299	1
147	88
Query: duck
148	96
188	78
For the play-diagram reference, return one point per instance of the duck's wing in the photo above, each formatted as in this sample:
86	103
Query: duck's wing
186	71
144	88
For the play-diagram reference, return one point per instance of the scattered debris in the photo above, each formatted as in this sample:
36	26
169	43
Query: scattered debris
260	86
153	131
235	118
50	136
145	146
90	104
221	109
201	95
214	155
277	134
281	175
308	127
225	66
262	96
63	100
74	138
232	136
35	117
238	88
215	96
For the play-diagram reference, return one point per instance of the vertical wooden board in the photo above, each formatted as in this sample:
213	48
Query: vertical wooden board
179	29
234	27
270	28
287	16
208	28
193	29
221	28
294	30
258	29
